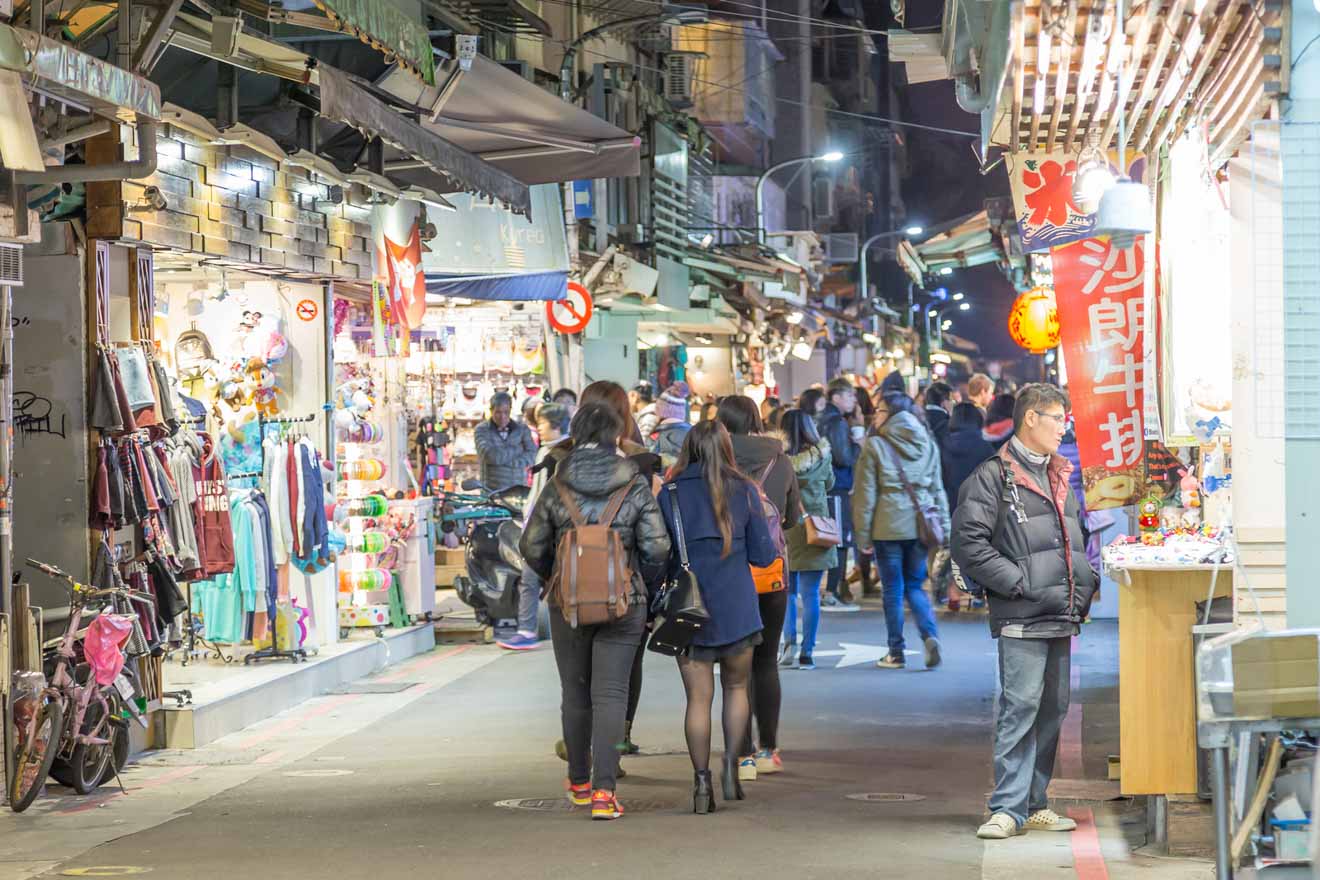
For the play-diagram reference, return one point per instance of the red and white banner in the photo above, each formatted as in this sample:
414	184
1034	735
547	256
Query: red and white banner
407	281
1100	291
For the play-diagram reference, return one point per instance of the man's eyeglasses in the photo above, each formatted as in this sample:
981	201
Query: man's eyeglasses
1059	418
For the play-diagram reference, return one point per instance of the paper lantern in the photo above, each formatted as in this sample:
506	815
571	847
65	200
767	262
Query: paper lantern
1033	322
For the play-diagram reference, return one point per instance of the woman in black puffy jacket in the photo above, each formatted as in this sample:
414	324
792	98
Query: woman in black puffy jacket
595	661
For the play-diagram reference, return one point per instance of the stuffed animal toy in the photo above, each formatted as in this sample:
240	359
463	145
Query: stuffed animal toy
261	387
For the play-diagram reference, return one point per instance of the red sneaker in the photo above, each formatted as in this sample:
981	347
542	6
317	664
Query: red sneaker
604	805
578	794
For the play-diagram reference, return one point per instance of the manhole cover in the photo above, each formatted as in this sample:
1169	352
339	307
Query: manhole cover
377	687
885	797
561	805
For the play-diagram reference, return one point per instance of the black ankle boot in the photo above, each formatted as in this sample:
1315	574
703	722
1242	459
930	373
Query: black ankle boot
703	793
729	780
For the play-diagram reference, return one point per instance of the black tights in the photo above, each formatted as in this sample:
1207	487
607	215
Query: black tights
766	696
635	679
699	682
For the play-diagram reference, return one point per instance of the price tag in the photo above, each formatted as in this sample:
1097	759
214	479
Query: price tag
124	686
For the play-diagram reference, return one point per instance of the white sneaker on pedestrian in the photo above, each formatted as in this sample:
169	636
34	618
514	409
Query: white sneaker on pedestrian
787	654
1000	827
932	652
1048	820
832	603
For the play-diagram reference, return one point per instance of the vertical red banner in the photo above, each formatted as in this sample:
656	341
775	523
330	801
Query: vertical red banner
1100	291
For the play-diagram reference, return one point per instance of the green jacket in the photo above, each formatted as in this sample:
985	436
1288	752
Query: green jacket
878	495
815	475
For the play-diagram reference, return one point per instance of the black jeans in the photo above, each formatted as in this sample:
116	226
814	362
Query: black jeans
595	663
766	696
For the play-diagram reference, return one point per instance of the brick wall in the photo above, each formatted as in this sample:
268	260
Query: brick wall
239	206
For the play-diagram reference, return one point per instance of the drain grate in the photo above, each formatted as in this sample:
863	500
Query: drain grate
562	805
376	687
886	797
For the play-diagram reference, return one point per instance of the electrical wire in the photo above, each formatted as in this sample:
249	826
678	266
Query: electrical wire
757	12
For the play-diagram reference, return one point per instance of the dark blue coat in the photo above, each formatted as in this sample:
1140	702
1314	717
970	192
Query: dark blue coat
726	584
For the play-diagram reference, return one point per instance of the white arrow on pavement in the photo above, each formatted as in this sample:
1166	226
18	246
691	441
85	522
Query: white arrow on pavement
856	655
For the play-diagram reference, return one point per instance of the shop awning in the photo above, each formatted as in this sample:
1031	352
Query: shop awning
61	71
500	117
383	25
512	288
970	241
345	101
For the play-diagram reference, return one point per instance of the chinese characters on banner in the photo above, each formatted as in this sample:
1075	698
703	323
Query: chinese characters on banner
1100	292
1047	213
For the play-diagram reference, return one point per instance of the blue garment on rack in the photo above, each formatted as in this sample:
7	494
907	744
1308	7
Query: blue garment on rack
315	535
262	516
224	601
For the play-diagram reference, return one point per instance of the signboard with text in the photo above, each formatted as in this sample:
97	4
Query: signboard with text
1100	292
1047	211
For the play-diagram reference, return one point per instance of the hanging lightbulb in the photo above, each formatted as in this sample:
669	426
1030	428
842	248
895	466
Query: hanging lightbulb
1093	177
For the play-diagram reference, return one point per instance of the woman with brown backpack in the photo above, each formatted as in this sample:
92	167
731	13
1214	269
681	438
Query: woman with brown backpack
717	522
596	535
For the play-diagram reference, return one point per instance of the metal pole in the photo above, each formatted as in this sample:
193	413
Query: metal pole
1223	824
760	191
6	521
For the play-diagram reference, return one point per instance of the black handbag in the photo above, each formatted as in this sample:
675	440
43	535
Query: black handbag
680	610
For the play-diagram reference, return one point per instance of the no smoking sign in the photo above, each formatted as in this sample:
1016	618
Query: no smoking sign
307	309
571	314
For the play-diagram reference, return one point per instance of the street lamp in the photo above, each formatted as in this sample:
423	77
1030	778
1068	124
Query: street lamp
865	285
831	156
937	311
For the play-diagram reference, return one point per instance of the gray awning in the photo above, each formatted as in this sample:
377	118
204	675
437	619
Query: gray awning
345	101
500	117
59	70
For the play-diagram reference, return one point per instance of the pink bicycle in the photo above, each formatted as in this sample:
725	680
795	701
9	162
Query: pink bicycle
70	727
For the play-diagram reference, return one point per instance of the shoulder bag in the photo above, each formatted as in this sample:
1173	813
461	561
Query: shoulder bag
930	525
680	611
770	579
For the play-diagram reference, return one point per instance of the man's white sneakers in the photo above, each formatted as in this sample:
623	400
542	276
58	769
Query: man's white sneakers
1000	827
1048	820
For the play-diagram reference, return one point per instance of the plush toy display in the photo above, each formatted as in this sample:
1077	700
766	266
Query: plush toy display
1149	514
260	380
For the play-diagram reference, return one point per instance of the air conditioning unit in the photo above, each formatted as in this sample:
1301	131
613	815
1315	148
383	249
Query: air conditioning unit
841	247
822	197
11	264
680	68
522	68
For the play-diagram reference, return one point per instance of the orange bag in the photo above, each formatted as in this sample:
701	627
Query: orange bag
770	579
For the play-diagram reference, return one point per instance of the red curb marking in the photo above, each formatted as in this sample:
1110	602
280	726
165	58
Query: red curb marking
164	778
1087	857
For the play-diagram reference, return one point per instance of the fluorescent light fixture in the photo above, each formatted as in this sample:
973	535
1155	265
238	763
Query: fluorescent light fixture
831	156
1038	98
917	230
704	340
1043	54
947	270
940	357
958	297
933	312
964	306
802	350
795	318
946	325
871	338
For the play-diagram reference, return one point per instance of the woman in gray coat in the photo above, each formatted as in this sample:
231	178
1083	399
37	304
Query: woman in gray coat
809	454
902	449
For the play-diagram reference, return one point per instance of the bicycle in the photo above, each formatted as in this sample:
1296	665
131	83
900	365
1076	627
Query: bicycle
88	716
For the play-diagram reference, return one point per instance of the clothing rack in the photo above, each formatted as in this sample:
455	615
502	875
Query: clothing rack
274	652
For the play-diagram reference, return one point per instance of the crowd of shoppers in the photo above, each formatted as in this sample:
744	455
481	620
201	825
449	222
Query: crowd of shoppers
972	475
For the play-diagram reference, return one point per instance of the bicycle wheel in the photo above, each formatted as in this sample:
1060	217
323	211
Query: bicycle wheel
87	765
35	755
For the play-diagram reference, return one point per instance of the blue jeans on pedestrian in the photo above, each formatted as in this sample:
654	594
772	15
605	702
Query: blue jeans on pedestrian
1034	693
807	585
902	567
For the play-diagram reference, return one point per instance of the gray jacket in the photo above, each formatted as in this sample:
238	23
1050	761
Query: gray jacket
878	496
504	460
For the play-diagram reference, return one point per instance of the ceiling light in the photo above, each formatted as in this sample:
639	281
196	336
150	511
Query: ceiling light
831	156
947	270
933	312
1093	177
794	318
871	338
1038	98
917	230
704	340
964	306
957	297
946	325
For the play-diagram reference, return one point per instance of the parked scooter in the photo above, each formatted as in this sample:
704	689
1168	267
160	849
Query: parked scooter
492	522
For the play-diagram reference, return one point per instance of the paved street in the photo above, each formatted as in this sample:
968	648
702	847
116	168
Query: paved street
404	784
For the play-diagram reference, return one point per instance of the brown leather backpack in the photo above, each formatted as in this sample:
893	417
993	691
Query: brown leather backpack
592	580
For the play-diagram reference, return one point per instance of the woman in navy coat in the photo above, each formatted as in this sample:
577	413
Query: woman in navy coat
724	532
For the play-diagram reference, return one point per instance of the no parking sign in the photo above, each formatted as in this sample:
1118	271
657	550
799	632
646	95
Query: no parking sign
571	314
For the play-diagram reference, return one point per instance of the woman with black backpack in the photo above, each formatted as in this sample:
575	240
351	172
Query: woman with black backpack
718	514
596	658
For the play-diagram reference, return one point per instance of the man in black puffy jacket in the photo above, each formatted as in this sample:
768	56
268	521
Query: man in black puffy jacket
842	426
1018	535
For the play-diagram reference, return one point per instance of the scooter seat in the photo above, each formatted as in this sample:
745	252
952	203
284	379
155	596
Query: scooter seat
508	535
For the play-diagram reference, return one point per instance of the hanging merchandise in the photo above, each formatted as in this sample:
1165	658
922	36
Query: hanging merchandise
366	469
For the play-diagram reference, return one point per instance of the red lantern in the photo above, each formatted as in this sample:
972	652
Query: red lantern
1033	322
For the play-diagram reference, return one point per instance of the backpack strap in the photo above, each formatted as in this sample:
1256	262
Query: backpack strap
614	504
570	503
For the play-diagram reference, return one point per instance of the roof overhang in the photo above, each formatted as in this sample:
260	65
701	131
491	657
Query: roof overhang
61	71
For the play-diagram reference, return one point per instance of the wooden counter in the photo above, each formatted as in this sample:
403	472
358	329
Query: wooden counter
1156	689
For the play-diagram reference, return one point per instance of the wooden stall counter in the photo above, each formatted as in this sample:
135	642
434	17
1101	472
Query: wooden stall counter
1157	690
